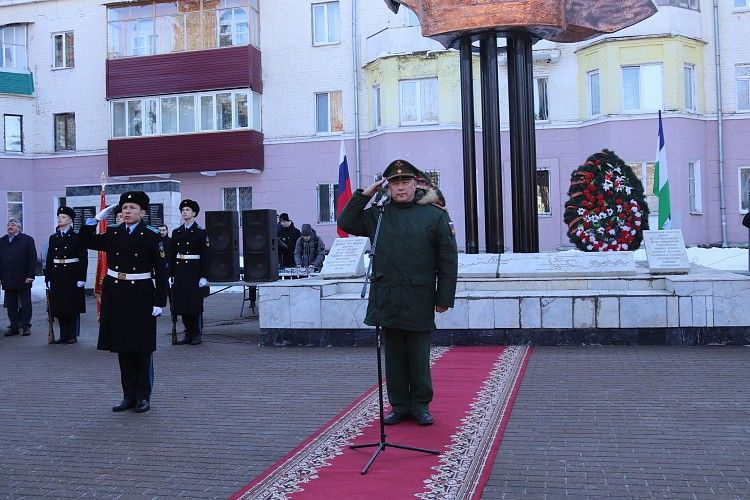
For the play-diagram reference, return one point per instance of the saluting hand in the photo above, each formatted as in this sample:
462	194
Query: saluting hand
374	187
104	213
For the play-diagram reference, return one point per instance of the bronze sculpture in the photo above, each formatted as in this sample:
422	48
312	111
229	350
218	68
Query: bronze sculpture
557	20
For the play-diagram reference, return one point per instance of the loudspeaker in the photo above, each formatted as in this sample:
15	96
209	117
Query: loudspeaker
223	250
260	245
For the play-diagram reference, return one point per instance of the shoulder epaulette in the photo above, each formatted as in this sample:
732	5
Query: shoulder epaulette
152	228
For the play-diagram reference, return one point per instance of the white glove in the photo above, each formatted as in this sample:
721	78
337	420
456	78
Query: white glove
202	282
48	284
104	213
80	284
171	280
156	311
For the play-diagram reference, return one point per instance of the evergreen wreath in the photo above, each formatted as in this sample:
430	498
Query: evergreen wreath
607	209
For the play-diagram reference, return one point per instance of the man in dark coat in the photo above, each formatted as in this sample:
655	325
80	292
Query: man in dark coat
413	276
133	293
17	270
188	265
65	276
310	250
288	236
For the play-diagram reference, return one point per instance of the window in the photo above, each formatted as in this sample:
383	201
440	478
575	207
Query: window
744	189
233	27
642	88
327	202
694	187
13	47
542	192
411	17
541	104
418	101
141	37
742	73
689	73
62	50
741	4
328	113
65	131
186	113
13	132
644	170
237	198
376	120
594	99
685	4
15	206
325	23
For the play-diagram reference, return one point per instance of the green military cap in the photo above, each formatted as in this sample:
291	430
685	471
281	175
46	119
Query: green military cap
399	169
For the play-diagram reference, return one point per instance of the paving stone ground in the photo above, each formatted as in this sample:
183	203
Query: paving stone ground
589	421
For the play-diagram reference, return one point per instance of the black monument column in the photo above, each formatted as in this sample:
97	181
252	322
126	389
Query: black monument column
469	149
522	143
493	195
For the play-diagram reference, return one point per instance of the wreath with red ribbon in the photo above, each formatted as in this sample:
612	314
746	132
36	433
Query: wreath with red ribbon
607	209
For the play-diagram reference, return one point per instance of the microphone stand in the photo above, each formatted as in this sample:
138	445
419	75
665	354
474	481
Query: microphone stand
382	444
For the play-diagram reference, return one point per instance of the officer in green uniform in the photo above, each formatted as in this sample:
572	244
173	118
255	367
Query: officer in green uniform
413	276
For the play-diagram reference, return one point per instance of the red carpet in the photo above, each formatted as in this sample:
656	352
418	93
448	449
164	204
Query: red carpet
474	389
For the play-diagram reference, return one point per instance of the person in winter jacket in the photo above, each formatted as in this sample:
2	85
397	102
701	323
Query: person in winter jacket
288	236
310	249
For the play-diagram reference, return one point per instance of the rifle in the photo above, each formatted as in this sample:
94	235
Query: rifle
174	317
50	319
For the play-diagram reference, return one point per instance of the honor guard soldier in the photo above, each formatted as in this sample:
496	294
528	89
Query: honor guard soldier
65	276
188	267
133	293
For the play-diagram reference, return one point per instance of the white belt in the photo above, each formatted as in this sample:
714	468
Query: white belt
64	261
126	276
188	256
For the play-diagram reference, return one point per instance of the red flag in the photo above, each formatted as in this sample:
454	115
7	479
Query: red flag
101	259
345	186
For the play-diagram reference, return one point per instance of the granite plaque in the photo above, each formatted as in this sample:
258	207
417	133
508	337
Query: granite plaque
477	265
561	264
345	260
82	213
665	251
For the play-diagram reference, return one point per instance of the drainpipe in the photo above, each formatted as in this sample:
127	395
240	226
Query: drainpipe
355	79
720	128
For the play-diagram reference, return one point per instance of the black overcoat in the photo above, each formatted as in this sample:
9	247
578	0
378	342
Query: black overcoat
186	296
67	298
17	261
126	324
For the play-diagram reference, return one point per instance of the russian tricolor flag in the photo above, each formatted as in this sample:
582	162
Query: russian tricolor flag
345	186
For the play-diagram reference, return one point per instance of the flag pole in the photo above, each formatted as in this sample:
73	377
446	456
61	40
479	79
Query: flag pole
101	257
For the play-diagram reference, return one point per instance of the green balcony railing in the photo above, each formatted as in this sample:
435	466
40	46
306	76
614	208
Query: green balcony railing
16	83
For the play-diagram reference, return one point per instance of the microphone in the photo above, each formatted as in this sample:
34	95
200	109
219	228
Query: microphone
381	198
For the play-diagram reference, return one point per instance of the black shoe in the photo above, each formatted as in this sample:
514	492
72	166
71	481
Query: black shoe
423	418
196	341
393	418
26	332
10	332
142	406
71	341
125	404
184	341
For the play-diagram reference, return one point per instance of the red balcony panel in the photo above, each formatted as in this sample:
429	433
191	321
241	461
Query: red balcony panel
242	149
182	72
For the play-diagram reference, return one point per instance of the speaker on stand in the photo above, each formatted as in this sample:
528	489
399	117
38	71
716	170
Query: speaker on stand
223	250
260	245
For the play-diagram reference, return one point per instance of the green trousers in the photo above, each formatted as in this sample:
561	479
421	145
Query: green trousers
407	370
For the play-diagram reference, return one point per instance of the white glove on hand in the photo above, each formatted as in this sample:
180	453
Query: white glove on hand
171	280
202	282
80	284
156	311
104	213
48	284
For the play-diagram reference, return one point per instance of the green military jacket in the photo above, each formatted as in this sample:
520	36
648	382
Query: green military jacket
416	261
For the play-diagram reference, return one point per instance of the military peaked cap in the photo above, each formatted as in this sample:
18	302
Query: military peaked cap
138	197
67	211
400	169
193	205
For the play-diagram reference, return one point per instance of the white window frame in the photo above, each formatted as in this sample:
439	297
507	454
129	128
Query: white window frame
742	7
743	78
9	203
253	99
326	37
332	200
234	32
5	133
377	120
420	82
690	88
640	168
538	97
549	192
329	112
643	88
148	47
695	191
590	95
65	63
15	48
743	188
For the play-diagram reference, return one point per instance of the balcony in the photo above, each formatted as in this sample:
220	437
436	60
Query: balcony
19	83
394	41
217	151
214	69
